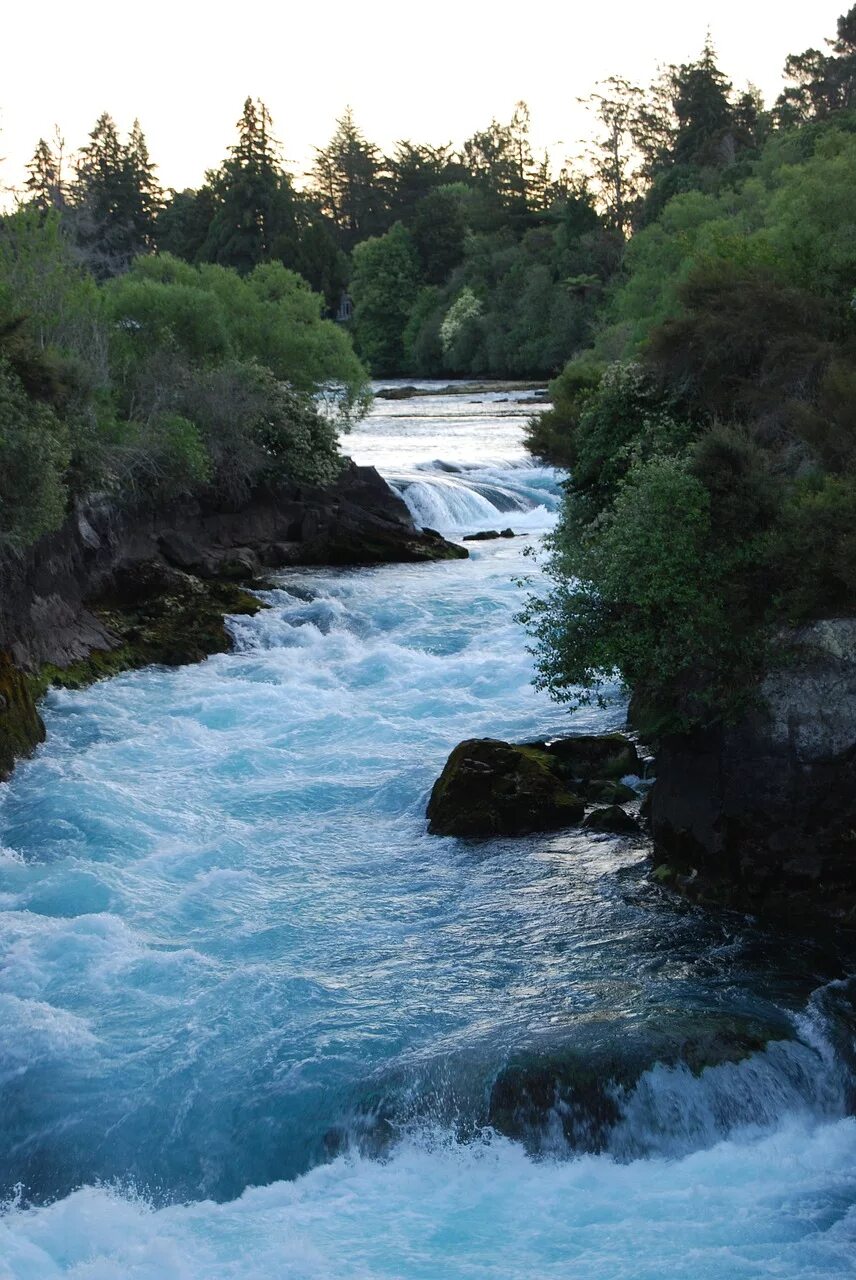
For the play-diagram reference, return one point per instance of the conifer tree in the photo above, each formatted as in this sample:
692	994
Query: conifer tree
348	181
144	192
44	179
254	200
115	198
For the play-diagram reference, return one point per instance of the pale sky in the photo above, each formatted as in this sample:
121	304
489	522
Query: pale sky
433	72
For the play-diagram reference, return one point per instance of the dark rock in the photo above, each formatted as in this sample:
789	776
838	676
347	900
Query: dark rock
21	726
488	535
186	553
609	791
613	819
761	815
491	788
241	564
593	756
396	393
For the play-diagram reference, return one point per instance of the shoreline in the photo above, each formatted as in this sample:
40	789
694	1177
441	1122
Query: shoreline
111	592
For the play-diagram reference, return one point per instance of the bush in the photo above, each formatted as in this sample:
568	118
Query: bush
639	593
34	454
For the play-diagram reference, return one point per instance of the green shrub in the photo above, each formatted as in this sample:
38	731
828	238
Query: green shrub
34	454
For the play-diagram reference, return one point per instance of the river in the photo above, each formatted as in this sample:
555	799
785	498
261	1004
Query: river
256	1021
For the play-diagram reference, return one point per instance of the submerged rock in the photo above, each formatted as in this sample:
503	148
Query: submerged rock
581	1092
613	819
396	393
488	535
492	788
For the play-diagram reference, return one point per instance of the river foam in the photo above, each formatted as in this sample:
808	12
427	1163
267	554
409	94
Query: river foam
255	1017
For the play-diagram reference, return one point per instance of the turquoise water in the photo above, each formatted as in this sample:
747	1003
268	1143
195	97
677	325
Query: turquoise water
255	1018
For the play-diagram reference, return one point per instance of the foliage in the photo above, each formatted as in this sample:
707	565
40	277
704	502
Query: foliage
34	452
384	285
712	496
209	315
166	381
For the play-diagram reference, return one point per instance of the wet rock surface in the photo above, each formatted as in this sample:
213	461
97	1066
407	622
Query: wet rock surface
613	820
762	815
579	1095
489	787
489	535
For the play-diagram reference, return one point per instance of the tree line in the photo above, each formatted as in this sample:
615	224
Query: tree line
472	260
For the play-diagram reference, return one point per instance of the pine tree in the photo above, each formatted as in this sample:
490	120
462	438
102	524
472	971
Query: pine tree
349	182
255	204
44	180
703	111
144	192
115	198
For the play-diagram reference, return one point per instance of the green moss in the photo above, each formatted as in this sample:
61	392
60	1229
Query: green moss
21	727
491	788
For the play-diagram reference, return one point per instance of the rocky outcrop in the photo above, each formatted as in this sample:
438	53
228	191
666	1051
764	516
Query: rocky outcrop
21	726
492	788
762	814
44	594
112	590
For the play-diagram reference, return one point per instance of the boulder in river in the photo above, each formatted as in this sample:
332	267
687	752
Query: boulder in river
582	1091
609	791
492	788
612	819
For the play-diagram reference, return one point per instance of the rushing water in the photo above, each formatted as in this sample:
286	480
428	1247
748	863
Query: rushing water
256	1023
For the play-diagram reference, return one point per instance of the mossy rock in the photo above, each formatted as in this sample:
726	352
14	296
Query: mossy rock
608	791
492	788
21	726
613	820
593	757
158	616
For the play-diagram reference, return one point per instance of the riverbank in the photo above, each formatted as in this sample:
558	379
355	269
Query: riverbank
113	592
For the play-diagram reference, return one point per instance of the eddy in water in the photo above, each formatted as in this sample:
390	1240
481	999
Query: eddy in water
257	1023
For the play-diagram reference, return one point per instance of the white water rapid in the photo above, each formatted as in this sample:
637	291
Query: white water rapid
257	1025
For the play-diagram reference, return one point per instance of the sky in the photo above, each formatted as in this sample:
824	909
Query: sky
435	72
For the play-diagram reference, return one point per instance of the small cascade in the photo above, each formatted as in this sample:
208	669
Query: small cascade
466	498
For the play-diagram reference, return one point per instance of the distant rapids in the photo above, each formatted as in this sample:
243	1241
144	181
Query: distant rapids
259	1025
